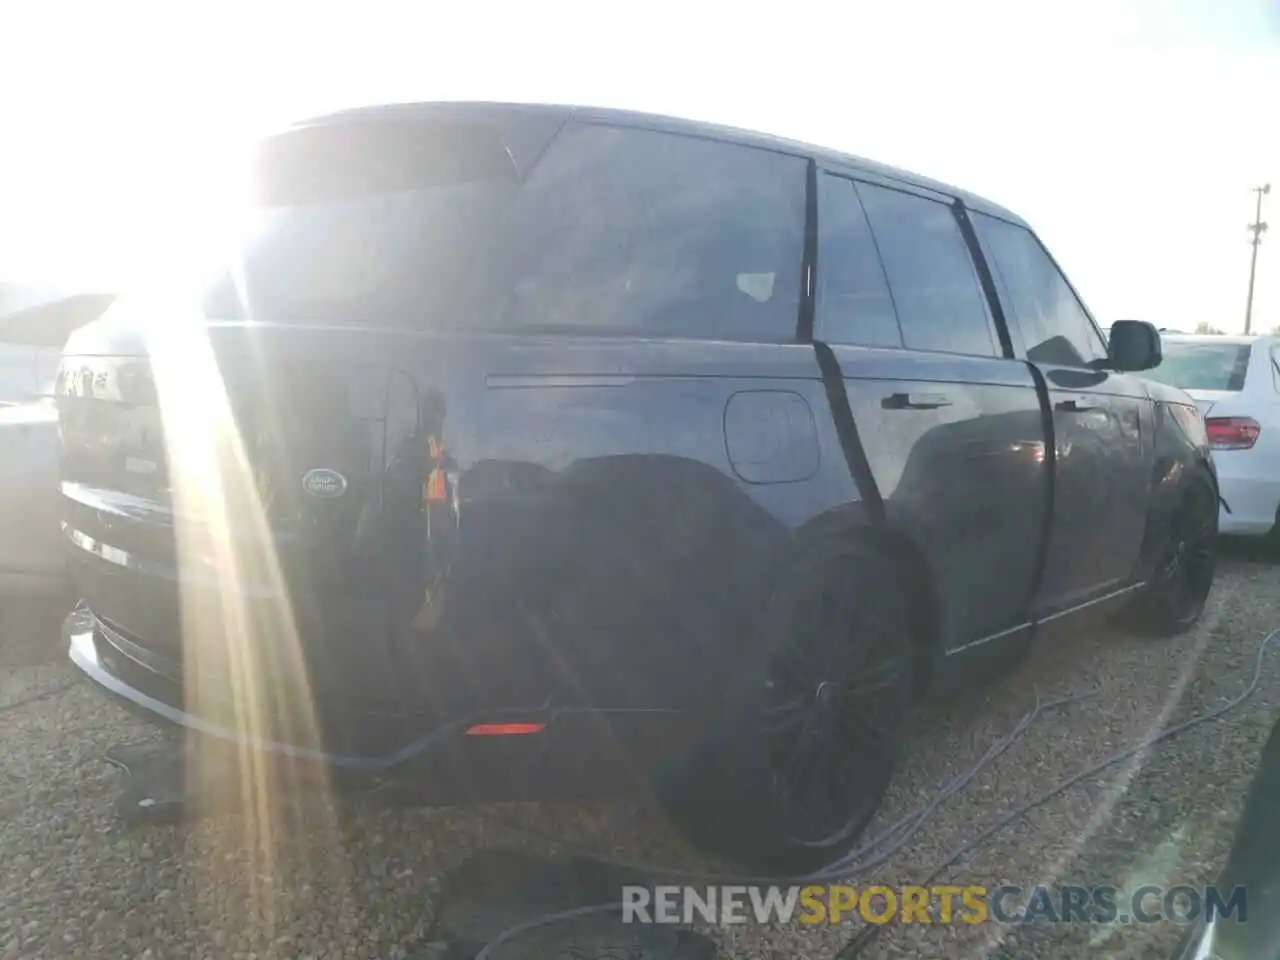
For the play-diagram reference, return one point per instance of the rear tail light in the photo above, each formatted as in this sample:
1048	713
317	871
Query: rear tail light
1232	433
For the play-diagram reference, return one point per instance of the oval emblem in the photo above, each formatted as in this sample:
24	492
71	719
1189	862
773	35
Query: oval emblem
323	482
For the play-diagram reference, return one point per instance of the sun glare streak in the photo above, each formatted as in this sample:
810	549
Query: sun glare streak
1119	787
243	664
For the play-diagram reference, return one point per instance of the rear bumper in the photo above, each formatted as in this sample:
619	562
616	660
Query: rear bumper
579	752
1250	505
160	698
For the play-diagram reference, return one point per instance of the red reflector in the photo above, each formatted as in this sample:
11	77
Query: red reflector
1232	433
505	729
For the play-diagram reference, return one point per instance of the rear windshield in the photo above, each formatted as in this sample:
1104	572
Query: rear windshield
1203	366
574	228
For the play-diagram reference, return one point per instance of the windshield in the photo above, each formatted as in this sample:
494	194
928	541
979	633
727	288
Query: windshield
463	226
1203	366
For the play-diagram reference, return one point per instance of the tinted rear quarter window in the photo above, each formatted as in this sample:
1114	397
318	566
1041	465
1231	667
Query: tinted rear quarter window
1203	366
609	230
659	233
936	291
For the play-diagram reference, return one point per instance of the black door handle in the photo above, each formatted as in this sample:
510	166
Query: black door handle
1075	406
915	401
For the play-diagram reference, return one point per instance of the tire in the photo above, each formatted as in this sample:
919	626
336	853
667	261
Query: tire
788	780
1174	599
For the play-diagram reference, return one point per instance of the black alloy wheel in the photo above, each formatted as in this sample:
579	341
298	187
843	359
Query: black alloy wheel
1174	598
832	722
1190	559
790	780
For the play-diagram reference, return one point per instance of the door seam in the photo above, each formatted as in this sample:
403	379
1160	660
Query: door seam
855	457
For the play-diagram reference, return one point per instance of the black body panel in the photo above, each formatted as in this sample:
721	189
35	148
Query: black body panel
344	523
612	515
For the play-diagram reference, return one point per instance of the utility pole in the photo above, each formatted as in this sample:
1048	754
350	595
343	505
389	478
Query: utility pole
1257	228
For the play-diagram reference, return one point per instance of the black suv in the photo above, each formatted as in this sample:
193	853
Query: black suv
519	432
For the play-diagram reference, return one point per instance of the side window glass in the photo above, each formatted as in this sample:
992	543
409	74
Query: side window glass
635	231
1052	323
935	287
854	305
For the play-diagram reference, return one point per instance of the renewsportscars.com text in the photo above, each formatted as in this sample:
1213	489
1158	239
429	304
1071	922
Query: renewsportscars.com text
832	904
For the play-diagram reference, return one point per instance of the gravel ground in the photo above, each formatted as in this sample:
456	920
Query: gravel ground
332	880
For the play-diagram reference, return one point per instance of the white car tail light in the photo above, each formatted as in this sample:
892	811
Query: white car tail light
1232	433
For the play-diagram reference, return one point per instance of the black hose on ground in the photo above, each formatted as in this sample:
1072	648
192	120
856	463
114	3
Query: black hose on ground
906	827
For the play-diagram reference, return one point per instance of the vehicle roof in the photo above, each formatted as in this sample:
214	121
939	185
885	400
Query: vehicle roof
565	112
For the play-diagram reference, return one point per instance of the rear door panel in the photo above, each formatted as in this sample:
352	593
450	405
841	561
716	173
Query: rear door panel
964	479
955	441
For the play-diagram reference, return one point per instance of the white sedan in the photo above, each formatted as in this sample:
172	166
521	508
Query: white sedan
31	337
30	545
1236	382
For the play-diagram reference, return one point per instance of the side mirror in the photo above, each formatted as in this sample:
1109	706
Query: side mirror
1135	345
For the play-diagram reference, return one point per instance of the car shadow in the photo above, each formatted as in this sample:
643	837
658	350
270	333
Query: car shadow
1252	549
31	629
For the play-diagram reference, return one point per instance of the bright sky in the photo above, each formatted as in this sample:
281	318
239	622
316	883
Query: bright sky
1128	132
